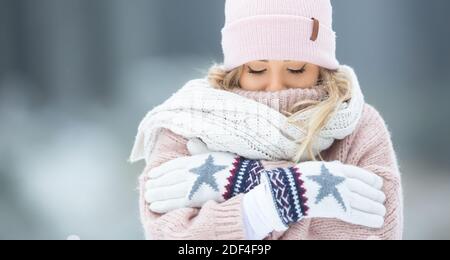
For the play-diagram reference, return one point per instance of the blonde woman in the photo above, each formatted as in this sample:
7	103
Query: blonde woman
275	143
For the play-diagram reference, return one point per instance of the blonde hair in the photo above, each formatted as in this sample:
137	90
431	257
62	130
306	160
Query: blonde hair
335	83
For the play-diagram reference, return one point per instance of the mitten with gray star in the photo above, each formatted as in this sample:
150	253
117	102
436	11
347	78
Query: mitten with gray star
322	190
194	180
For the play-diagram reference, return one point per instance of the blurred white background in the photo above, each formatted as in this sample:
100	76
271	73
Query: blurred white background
76	77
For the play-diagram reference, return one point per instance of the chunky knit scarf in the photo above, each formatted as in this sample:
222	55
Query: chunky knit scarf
228	122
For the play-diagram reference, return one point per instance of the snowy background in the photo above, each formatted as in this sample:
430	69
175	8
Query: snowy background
76	77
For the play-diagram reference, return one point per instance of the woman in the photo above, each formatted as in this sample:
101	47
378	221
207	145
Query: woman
276	143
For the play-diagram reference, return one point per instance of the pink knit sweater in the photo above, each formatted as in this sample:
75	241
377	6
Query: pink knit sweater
369	147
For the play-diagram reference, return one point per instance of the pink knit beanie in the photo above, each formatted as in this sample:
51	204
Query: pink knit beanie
299	30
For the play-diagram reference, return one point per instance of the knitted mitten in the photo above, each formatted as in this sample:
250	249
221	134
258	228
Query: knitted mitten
325	190
192	181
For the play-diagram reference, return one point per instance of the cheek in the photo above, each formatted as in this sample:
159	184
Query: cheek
248	82
312	79
314	76
307	80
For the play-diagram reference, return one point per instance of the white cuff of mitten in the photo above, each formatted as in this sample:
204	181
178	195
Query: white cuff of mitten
260	215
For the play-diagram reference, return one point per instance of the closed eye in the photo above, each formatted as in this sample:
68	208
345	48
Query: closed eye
300	71
252	71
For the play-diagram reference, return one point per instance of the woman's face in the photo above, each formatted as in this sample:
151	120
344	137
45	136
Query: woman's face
274	75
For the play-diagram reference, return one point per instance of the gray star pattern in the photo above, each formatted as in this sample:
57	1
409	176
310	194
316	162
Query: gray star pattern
328	183
206	176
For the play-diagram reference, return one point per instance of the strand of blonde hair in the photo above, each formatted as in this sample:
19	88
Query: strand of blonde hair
335	83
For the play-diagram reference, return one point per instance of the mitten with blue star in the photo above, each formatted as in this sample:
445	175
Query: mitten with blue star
194	180
324	190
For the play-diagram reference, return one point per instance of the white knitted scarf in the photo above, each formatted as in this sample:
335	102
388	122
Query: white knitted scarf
228	122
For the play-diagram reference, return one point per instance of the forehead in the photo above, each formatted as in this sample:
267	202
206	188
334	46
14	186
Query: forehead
268	62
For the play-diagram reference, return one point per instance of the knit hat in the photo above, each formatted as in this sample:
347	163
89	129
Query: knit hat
298	30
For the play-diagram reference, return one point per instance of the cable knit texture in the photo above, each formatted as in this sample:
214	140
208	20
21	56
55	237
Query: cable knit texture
368	147
228	122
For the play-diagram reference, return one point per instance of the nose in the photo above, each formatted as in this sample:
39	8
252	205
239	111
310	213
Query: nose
276	83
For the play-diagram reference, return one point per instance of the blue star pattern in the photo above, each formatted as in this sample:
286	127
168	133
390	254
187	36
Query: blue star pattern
328	183
206	176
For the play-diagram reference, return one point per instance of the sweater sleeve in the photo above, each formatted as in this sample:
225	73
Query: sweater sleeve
214	221
376	154
370	148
